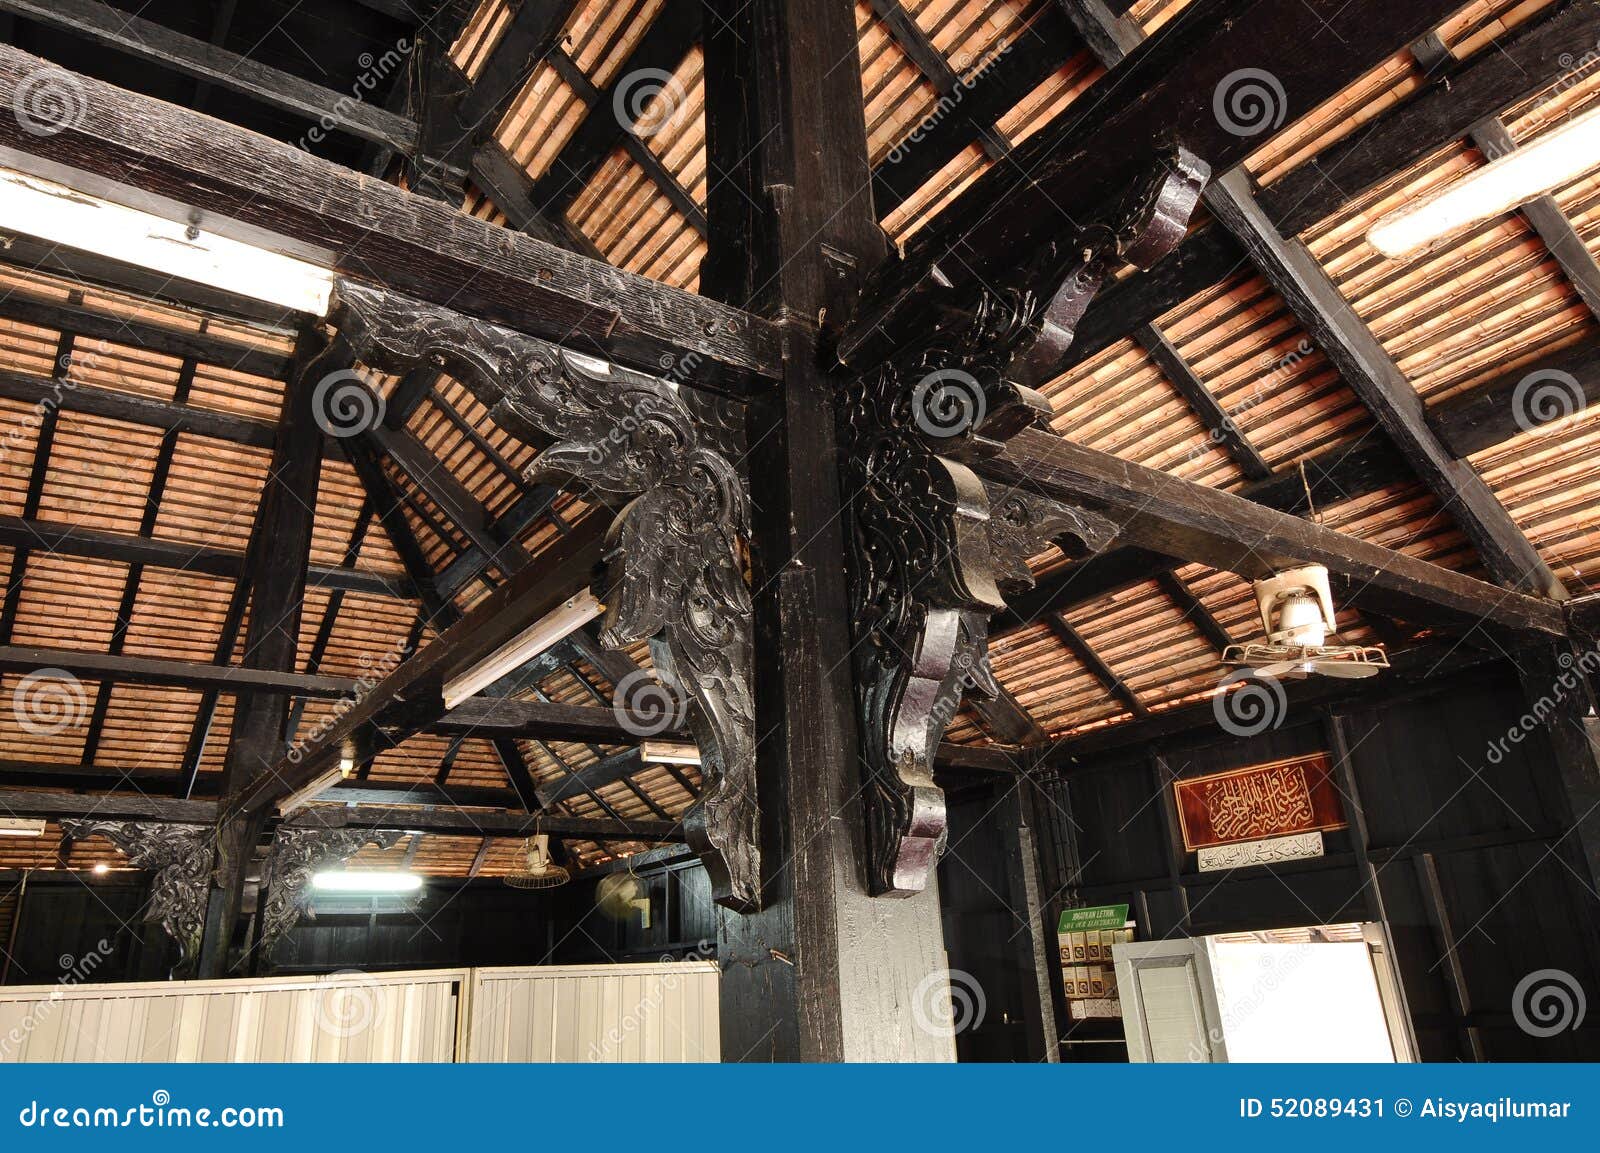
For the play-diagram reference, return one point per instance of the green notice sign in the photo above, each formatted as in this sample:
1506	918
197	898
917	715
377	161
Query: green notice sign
1090	919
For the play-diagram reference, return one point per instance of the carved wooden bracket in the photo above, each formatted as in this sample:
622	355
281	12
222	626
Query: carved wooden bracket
296	855
180	856
674	573
933	551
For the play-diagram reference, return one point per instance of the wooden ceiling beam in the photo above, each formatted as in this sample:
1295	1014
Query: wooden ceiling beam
1219	424
1037	52
1168	515
1455	100
452	498
458	822
409	699
1067	173
511	190
1469	422
136	807
171	416
1372	374
146	40
637	149
1194	611
1425	662
97	544
1350	346
1491	137
535	30
1097	667
166	158
93	324
673	32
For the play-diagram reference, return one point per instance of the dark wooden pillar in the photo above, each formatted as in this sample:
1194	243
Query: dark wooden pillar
824	972
280	547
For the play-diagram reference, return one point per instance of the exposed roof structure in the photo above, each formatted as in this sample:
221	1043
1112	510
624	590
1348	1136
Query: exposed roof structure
139	431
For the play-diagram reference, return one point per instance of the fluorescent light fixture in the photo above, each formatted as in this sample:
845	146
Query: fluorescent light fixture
356	881
318	785
669	753
20	827
62	215
556	625
1557	158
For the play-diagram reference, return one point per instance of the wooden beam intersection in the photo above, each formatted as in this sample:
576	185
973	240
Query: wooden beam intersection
146	40
164	158
1177	517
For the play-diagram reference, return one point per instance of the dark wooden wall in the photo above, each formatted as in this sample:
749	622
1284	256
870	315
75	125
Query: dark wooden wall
1479	885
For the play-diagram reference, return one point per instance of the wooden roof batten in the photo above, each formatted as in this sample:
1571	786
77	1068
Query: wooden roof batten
1361	360
319	211
1459	425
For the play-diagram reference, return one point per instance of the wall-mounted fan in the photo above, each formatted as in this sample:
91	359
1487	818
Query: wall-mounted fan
539	870
1297	615
620	895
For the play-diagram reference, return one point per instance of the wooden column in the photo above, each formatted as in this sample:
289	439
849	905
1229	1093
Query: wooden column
276	562
824	972
1035	946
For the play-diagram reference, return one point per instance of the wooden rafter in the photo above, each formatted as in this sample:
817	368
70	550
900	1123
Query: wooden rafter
1455	100
366	228
1167	514
147	40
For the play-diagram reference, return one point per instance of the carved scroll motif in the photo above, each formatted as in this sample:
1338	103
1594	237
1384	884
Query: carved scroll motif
180	856
296	855
674	573
933	550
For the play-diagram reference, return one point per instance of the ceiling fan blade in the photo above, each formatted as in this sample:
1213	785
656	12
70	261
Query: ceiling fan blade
1345	670
1279	669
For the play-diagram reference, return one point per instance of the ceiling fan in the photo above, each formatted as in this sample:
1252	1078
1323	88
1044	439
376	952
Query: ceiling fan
1296	608
540	870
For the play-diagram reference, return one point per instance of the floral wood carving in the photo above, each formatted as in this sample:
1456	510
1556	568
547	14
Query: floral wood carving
296	854
180	856
674	573
933	551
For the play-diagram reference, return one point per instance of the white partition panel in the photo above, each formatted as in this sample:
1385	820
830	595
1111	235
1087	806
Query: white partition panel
350	1016
649	1012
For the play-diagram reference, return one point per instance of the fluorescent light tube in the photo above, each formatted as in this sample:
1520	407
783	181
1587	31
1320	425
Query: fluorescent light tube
314	788
62	215
357	881
1557	158
21	827
669	753
556	625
